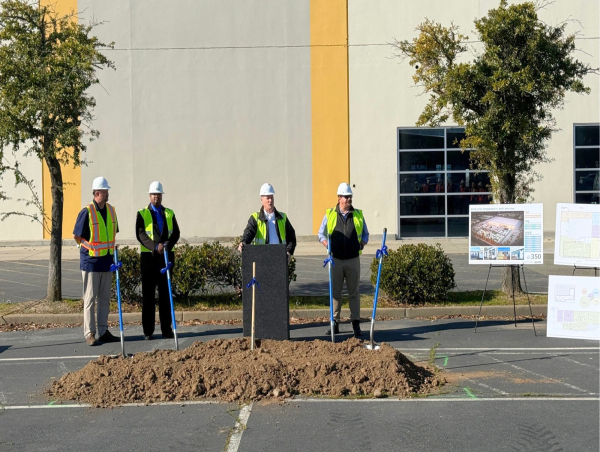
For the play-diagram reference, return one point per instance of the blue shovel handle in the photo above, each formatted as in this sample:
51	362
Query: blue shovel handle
115	268
379	254
329	262
167	270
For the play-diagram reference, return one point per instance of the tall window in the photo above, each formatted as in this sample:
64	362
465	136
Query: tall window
436	183
587	167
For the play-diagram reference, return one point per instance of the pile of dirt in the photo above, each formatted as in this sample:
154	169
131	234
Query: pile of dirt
227	370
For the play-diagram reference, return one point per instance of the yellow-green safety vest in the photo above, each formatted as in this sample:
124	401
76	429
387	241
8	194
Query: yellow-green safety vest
357	216
149	226
102	235
261	228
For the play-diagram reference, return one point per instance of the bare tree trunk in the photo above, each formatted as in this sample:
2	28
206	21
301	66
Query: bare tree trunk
54	292
511	279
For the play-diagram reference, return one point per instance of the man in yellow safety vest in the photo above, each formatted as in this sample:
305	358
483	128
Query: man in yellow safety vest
345	226
157	231
268	225
94	232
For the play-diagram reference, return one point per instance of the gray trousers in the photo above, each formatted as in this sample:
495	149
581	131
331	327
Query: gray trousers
96	290
348	269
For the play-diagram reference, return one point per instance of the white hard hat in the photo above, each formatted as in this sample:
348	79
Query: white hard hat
100	184
156	187
344	189
266	189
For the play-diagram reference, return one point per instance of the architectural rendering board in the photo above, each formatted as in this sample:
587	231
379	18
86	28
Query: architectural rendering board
506	234
577	240
574	307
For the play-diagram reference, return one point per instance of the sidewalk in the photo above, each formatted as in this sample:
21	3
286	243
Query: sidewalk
318	314
312	247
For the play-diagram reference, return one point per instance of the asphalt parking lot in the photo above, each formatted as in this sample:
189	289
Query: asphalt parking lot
507	390
26	280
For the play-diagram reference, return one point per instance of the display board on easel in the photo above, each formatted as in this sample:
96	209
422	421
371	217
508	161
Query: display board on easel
577	239
506	234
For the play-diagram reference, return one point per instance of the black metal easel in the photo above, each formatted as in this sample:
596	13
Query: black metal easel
575	267
522	267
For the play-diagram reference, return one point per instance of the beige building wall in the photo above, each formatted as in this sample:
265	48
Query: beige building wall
21	227
384	97
212	98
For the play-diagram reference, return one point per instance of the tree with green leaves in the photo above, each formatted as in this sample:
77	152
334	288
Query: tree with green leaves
47	63
504	97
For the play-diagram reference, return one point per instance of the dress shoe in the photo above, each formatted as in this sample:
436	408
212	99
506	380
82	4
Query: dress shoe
356	328
336	329
148	337
108	337
168	335
91	339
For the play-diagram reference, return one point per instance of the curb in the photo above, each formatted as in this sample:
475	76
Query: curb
397	313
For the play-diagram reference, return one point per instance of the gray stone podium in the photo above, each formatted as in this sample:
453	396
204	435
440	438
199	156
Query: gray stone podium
272	314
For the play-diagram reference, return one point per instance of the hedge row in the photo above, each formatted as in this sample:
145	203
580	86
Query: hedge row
413	274
198	269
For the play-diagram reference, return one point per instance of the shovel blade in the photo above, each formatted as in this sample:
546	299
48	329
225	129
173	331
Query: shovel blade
372	346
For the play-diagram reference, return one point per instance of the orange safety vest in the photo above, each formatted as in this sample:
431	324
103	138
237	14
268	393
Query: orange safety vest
102	235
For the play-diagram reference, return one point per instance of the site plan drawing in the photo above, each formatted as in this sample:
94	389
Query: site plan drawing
577	240
574	307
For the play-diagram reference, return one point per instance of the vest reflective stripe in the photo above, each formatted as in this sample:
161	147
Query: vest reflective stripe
102	234
357	217
149	226
261	228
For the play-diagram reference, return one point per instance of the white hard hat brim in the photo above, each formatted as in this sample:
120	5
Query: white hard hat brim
156	192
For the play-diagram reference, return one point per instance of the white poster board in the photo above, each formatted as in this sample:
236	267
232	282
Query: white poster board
574	307
506	234
577	239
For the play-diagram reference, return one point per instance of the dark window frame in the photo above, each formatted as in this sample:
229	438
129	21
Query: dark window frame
583	170
444	172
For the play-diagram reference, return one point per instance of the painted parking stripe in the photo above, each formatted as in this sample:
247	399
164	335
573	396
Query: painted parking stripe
63	269
51	358
300	400
236	437
568	385
127	405
496	349
449	399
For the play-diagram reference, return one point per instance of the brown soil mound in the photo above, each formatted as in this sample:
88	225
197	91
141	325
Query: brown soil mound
227	370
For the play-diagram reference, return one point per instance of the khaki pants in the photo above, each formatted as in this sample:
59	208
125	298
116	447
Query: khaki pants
348	269
96	286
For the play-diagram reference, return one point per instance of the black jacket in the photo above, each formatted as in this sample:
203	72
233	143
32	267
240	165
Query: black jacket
252	227
344	239
168	242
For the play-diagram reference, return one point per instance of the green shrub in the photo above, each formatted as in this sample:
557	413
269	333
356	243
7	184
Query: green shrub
415	274
223	266
189	272
130	276
198	268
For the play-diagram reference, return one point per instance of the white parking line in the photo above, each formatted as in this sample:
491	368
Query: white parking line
568	385
236	437
45	358
245	411
450	399
127	405
496	349
577	362
483	385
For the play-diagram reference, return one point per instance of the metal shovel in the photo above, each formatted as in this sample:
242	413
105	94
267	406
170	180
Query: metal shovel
379	255
166	270
329	262
115	268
